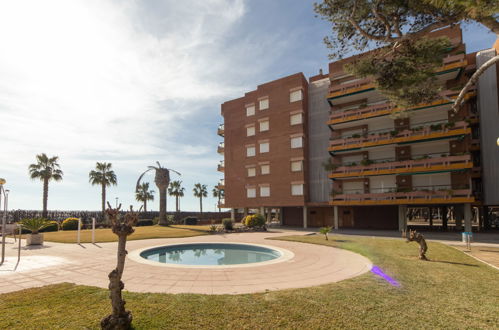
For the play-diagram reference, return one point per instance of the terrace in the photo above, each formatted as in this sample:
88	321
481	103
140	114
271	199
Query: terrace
365	110
418	195
428	131
426	163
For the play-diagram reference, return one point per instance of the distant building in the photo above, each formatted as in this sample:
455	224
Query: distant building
384	166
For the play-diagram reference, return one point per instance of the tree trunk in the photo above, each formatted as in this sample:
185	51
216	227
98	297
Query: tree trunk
162	207
120	318
218	203
45	197
201	204
103	196
176	203
145	205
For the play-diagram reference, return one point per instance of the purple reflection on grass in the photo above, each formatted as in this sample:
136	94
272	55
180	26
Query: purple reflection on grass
376	270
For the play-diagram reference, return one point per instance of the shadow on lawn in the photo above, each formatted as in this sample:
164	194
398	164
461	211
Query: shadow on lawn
453	263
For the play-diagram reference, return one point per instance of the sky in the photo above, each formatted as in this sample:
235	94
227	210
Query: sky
135	82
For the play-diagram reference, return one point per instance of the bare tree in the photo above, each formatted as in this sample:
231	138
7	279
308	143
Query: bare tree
120	318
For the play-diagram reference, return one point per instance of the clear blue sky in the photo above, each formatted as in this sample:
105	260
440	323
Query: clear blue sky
134	82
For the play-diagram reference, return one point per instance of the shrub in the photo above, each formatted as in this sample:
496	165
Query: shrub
255	220
34	225
228	224
52	226
70	224
190	221
144	222
324	231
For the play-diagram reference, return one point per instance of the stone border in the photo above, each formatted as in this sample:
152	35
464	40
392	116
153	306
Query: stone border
285	256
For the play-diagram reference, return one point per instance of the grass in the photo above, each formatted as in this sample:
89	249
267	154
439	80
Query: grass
452	291
106	235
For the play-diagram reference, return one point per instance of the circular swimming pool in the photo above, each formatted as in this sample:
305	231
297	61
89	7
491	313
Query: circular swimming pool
210	254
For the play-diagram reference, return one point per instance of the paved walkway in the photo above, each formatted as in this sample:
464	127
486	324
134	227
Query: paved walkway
89	264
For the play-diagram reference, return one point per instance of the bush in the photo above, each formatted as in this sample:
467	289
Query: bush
190	221
52	226
34	225
228	224
70	224
255	220
144	222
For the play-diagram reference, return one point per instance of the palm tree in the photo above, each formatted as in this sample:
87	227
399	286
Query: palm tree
104	176
45	169
200	191
218	193
143	194
176	189
162	180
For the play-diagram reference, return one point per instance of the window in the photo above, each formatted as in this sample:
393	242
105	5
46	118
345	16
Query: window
263	104
264	125
296	119
297	142
264	191
297	189
250	192
250	110
297	166
250	151
265	169
264	147
250	130
251	171
295	96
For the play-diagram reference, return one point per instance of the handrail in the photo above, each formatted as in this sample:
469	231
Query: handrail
387	136
355	84
404	164
449	193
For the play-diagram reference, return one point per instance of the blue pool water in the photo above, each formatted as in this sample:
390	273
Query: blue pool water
208	254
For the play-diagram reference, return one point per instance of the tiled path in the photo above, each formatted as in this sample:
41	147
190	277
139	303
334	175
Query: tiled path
89	264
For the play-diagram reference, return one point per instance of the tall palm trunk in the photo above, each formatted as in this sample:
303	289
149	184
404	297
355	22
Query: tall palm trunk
219	203
162	206
177	204
45	197
145	204
103	196
201	204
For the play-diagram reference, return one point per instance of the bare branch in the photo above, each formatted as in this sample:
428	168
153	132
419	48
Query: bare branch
491	23
382	19
460	98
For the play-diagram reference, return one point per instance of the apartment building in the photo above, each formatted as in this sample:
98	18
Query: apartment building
333	151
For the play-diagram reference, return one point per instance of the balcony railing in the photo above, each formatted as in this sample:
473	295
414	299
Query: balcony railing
221	148
368	111
449	63
221	184
221	130
221	204
443	163
427	132
412	197
221	166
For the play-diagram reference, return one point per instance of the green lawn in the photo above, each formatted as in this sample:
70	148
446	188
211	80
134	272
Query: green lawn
106	235
453	291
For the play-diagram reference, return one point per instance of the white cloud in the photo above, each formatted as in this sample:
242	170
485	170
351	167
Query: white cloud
108	80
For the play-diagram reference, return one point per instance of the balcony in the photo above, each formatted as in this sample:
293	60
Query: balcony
221	166
366	111
220	130
421	133
414	166
221	147
221	184
221	203
443	195
355	87
451	67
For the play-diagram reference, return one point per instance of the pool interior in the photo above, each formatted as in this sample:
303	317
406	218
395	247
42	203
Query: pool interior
210	254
